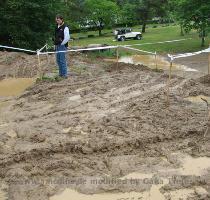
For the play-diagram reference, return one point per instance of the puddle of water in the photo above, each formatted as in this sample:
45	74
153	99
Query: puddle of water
12	134
153	193
195	166
3	104
137	176
74	98
3	125
14	86
71	194
185	194
197	99
2	195
150	61
190	166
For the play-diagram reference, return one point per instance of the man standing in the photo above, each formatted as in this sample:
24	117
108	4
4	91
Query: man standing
62	37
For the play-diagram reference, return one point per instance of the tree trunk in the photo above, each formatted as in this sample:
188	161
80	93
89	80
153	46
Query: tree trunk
144	27
203	38
100	27
99	31
182	31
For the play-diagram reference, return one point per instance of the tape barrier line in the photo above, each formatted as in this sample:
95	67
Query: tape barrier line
38	52
173	57
26	50
163	42
45	46
138	50
77	50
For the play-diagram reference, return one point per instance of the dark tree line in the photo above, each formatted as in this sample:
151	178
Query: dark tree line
29	24
192	14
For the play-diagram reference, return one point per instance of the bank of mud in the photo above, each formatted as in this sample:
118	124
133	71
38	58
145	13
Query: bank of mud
103	121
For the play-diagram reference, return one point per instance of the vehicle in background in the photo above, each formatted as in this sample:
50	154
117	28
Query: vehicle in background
122	34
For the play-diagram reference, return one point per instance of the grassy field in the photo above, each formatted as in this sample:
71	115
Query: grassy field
153	34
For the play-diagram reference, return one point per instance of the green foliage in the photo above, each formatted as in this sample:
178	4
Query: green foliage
30	24
111	53
27	24
153	35
147	9
74	12
101	13
128	14
193	14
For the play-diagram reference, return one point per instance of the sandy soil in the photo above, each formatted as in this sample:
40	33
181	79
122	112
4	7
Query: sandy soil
103	121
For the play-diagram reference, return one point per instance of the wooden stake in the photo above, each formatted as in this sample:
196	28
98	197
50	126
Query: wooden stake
168	84
171	65
156	61
6	57
208	117
39	66
48	60
209	63
117	57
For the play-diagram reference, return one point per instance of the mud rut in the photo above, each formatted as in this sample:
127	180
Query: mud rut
104	120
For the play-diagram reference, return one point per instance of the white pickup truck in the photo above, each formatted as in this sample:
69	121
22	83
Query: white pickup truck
122	34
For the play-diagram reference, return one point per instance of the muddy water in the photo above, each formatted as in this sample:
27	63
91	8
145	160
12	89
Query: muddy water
150	61
197	166
71	194
154	193
163	64
14	86
189	166
3	104
198	99
2	195
186	194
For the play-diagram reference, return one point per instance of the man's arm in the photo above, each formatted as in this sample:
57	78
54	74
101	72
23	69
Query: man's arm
66	36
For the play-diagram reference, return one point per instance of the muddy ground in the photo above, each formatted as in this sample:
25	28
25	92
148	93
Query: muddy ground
104	121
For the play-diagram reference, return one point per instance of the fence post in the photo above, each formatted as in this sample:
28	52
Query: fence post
168	84
48	61
39	64
117	56
209	62
156	61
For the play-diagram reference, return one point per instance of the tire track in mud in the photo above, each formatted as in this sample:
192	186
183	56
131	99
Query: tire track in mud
81	147
120	112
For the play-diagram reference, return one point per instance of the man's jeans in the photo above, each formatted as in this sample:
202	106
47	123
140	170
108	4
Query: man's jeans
61	60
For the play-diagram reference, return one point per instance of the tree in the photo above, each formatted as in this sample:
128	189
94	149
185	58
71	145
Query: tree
128	15
147	9
27	24
194	14
175	13
101	13
74	12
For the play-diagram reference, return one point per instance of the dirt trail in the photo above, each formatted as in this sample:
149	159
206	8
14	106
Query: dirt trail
103	121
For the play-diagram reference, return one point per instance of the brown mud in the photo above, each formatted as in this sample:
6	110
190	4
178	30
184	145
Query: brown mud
103	125
189	67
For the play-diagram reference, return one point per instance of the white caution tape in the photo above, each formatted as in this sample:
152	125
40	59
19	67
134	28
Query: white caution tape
77	50
26	50
173	57
138	50
163	42
38	52
45	46
49	47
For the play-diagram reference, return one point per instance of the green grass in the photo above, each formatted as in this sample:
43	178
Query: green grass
161	33
109	54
